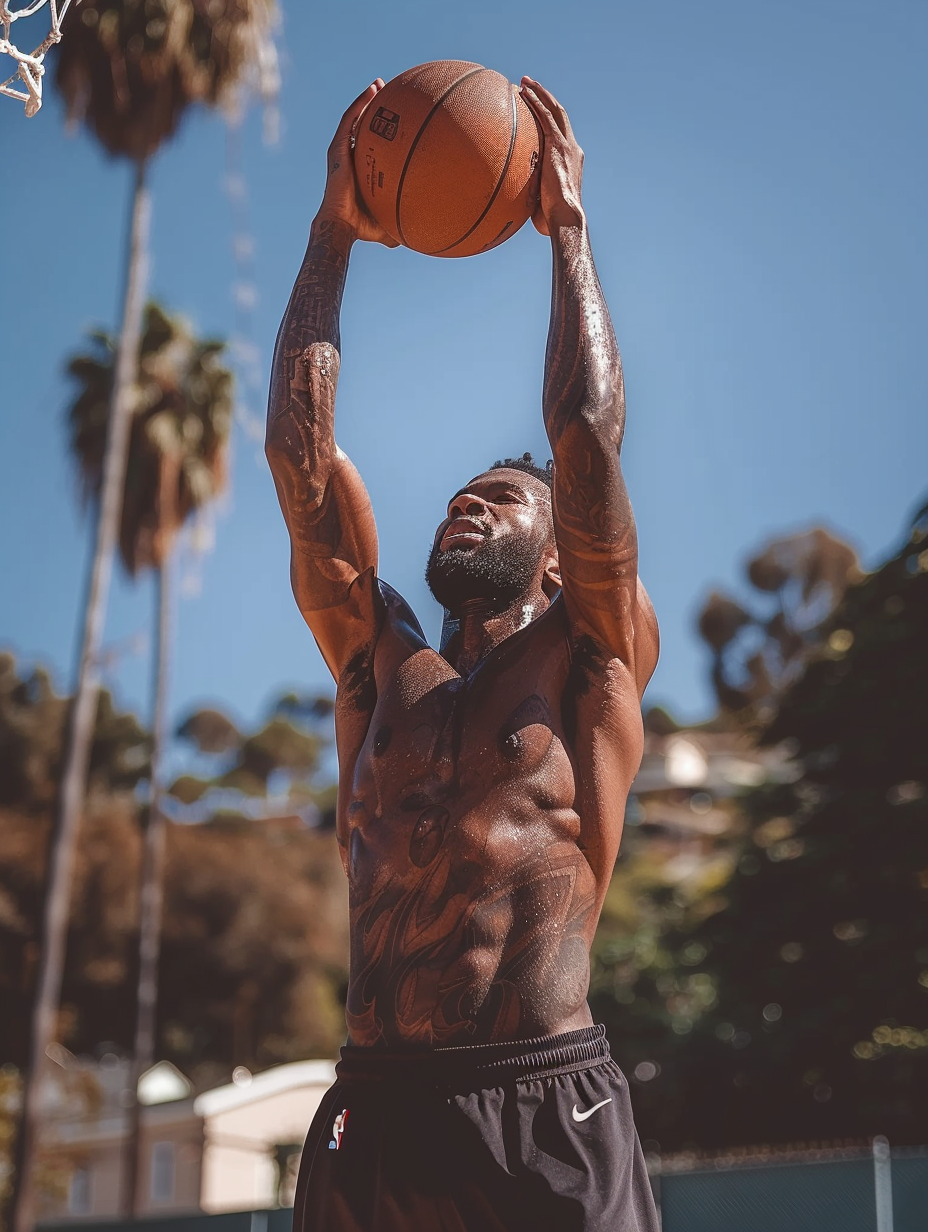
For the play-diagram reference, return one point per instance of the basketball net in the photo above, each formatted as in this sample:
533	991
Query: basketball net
29	65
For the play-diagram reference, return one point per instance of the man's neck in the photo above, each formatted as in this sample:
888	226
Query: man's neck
483	625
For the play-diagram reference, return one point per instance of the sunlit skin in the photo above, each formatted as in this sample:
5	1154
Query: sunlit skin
481	791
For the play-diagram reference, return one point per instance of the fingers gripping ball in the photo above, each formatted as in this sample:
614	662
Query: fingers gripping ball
445	156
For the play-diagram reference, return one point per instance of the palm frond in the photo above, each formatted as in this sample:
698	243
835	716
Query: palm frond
131	68
182	420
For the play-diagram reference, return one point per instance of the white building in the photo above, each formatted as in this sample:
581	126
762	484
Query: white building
253	1134
236	1147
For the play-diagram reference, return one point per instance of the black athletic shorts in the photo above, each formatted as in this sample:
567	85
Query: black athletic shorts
518	1137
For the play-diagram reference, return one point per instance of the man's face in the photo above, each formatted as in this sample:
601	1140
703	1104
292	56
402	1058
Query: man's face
495	541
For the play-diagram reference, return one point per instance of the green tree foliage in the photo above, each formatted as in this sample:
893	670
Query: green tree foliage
32	719
32	716
758	651
649	987
254	942
816	963
254	953
280	758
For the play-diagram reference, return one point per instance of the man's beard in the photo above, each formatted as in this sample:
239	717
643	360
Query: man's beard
498	572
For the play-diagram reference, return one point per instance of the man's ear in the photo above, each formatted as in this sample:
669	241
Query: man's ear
551	580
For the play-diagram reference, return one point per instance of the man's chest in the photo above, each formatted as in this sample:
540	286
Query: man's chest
436	737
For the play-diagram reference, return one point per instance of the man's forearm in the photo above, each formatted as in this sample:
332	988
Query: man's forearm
584	408
308	342
583	369
301	408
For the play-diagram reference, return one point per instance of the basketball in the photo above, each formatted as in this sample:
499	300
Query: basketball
445	155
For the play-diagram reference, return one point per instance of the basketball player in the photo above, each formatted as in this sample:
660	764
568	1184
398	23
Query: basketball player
482	789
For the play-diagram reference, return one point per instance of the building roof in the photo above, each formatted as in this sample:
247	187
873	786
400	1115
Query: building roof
722	763
272	1082
163	1084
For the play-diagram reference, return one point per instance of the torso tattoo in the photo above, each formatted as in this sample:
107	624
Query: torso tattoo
472	903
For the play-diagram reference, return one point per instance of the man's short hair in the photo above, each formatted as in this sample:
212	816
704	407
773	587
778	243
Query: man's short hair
528	466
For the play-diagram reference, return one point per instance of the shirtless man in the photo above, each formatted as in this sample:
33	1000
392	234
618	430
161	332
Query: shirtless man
481	789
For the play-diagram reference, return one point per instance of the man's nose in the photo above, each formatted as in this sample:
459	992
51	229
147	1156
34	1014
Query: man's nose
465	504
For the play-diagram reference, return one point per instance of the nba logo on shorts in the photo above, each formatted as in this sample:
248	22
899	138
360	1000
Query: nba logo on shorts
338	1128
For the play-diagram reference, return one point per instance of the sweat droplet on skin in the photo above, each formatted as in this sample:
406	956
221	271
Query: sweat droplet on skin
428	835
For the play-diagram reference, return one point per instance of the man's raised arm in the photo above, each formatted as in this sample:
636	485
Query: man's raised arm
325	504
584	409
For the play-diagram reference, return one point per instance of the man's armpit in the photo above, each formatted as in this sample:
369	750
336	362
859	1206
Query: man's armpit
606	617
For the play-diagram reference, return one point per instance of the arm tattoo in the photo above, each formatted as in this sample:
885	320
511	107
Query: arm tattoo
582	363
309	333
321	495
584	409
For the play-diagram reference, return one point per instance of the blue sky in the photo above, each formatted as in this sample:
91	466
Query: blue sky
757	193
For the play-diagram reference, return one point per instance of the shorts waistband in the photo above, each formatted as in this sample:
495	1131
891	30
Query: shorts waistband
477	1064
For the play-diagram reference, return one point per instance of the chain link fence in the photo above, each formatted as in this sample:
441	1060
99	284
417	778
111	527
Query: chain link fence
859	1192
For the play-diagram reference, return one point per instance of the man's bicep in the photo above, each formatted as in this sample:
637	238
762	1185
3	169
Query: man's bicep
333	544
647	639
597	540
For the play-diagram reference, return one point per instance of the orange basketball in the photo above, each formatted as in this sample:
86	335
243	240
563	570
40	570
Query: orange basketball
445	154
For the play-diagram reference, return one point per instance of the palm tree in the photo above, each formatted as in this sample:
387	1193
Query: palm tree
181	416
129	69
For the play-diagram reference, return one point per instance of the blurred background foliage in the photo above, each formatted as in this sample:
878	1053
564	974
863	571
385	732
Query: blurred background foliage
780	994
760	647
255	935
130	69
181	418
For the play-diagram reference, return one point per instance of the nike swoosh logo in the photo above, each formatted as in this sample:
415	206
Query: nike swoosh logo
582	1116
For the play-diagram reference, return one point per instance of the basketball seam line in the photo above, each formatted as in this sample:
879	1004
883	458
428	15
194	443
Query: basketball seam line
499	182
478	68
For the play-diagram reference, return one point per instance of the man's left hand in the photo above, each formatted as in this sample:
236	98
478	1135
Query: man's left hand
559	202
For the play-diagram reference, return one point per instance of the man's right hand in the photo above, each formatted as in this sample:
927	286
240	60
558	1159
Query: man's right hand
341	189
561	170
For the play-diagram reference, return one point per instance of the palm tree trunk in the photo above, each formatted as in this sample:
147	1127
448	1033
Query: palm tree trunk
82	716
150	901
